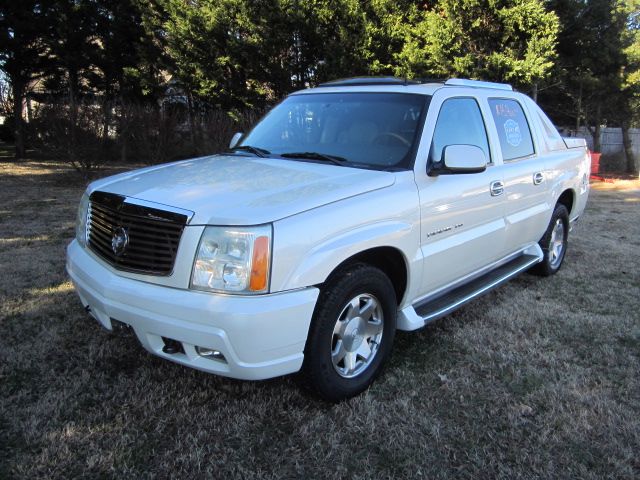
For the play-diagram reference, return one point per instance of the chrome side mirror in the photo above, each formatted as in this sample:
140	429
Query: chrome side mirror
460	159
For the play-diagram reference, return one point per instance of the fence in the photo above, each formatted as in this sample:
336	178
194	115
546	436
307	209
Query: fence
611	147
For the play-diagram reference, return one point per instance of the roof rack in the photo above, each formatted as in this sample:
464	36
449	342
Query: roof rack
360	81
452	82
462	82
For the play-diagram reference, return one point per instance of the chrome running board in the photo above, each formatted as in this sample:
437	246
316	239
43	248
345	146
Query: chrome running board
440	306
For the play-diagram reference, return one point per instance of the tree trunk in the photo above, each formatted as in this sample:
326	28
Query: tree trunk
29	108
596	130
597	133
193	134
632	164
124	121
579	108
106	116
534	92
18	98
73	110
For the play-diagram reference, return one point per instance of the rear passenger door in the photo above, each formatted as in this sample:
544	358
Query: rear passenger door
524	172
462	220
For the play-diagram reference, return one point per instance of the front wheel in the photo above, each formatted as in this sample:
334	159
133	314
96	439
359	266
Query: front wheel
351	333
554	243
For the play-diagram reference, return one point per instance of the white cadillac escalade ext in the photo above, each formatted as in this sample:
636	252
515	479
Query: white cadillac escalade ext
349	211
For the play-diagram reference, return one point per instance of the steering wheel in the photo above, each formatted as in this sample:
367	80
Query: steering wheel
395	136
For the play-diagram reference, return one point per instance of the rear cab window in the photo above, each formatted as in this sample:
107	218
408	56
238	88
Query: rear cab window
512	127
552	138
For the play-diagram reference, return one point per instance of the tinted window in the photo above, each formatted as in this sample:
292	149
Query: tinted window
553	138
372	129
513	129
459	123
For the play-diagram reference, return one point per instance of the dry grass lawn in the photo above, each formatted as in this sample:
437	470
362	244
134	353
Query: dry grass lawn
539	379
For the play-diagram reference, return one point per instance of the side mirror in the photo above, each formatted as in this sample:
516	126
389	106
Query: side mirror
460	159
235	139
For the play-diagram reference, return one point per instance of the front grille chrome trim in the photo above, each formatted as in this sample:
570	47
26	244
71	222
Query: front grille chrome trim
153	233
167	208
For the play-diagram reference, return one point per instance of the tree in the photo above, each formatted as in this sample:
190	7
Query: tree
126	63
69	36
386	22
631	80
239	53
23	53
590	63
511	40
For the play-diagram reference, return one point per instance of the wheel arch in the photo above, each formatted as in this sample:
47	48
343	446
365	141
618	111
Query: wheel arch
390	260
568	199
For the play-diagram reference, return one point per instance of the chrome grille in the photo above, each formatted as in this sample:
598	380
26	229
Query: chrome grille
132	237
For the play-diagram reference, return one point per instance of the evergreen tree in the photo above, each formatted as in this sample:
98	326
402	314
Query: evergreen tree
630	93
239	53
386	25
23	54
590	62
512	40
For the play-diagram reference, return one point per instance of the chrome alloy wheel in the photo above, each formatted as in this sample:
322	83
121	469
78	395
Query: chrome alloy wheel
357	335
556	244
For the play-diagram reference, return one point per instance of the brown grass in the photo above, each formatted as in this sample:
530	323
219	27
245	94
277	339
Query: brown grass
539	379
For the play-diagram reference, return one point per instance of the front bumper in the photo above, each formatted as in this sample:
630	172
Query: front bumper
260	336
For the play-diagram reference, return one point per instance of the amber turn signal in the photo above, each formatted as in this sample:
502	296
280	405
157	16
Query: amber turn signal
260	265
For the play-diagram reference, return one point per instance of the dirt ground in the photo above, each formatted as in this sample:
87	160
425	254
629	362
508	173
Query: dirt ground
538	379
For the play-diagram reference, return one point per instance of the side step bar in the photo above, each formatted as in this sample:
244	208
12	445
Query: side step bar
438	307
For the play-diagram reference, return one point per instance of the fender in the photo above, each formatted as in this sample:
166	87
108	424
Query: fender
310	245
570	173
326	257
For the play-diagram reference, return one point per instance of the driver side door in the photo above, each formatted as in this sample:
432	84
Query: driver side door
462	214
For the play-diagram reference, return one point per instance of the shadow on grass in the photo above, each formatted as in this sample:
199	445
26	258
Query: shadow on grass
496	390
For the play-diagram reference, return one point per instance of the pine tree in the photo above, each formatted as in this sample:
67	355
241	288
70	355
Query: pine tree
23	55
512	40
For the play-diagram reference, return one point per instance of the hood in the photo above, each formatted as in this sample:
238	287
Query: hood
239	190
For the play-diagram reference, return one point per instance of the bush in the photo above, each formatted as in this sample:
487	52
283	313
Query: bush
148	133
78	139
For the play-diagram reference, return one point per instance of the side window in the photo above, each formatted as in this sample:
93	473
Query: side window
513	129
553	138
459	123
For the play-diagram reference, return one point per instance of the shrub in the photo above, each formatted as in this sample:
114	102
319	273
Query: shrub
96	134
77	138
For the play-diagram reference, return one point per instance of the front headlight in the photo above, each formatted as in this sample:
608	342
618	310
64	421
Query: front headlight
82	229
233	260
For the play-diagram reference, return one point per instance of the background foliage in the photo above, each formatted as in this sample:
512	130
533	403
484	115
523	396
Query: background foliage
126	75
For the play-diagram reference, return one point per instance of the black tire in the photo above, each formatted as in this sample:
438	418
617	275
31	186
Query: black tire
552	260
371	290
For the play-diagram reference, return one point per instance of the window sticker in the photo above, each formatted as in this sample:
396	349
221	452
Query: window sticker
512	132
505	110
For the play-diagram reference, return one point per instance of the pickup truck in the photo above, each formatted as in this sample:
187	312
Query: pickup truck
350	211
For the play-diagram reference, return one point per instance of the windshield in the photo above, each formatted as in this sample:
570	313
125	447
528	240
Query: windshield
376	130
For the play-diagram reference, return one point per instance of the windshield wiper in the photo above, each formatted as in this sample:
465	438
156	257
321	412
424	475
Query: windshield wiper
317	156
260	152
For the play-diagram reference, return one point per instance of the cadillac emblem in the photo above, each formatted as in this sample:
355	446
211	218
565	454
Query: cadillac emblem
119	241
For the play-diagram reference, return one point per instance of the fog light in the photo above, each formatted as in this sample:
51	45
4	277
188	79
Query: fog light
210	353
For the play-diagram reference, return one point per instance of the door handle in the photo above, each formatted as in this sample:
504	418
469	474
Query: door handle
538	178
497	188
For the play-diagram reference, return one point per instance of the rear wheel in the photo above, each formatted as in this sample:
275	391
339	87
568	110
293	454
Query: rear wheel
554	243
351	334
